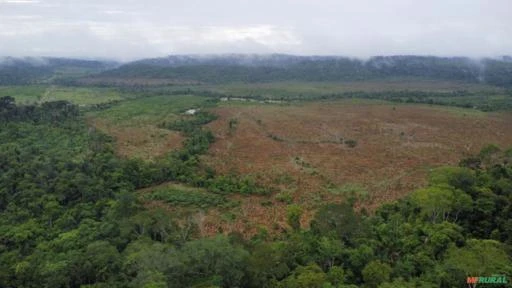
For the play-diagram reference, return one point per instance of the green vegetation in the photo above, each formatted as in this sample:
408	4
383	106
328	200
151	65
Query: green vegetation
24	94
151	110
233	124
188	125
81	96
38	70
23	74
230	69
186	197
76	95
484	101
285	197
293	89
158	101
47	112
293	215
351	143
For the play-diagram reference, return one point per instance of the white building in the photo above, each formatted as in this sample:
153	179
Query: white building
191	111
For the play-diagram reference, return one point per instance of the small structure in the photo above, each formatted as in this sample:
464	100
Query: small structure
191	111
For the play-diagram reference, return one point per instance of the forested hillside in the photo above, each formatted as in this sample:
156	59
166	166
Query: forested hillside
33	70
272	68
255	69
69	217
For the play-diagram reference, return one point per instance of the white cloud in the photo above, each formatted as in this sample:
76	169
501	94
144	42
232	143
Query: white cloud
133	29
114	12
19	1
223	38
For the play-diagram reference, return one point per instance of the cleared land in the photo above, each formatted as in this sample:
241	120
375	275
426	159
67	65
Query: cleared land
301	151
309	153
134	124
80	96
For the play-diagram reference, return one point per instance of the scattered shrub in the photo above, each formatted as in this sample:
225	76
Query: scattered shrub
351	143
187	197
285	197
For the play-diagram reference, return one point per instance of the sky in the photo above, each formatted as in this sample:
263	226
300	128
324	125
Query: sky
127	29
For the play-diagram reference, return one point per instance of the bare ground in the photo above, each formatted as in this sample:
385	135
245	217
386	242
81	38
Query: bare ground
299	149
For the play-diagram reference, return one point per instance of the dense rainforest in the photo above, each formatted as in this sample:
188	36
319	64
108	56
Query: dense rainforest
70	217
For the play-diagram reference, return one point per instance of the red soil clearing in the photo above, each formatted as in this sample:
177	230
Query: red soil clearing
396	147
144	142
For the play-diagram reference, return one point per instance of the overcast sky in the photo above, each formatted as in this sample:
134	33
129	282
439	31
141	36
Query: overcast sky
129	29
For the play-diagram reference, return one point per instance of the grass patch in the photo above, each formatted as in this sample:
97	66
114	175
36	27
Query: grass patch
150	110
39	93
24	94
294	89
285	197
81	96
351	190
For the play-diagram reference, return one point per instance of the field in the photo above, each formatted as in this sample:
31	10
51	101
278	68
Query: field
307	152
400	90
134	124
23	94
277	90
304	151
80	96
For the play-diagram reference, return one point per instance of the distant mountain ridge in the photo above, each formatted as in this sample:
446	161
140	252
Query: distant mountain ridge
253	68
280	60
30	70
269	60
56	62
281	67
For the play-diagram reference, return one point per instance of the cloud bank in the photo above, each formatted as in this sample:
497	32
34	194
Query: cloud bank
129	29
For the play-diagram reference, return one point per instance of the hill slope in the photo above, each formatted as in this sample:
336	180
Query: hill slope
277	67
29	70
